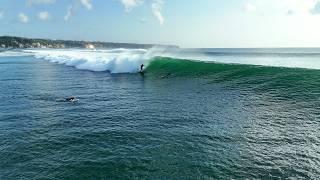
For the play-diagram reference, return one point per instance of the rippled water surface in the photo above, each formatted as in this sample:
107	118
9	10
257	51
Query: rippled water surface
231	121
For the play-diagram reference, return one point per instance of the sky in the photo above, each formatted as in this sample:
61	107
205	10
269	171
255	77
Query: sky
187	23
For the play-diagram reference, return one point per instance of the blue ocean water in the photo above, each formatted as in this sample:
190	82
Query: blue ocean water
193	114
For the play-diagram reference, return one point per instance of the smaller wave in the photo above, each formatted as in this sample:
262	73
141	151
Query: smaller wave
11	53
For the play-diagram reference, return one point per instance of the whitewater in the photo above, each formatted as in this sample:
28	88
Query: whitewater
129	60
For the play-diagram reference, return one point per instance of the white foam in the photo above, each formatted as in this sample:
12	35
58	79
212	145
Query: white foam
113	60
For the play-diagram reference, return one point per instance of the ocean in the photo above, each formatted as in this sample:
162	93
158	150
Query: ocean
192	114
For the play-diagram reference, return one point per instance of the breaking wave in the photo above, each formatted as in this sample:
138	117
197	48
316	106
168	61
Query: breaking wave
129	60
114	61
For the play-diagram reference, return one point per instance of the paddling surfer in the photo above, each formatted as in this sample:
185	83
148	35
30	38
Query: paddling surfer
71	99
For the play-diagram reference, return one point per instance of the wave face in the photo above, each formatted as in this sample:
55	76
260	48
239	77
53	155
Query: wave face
170	67
295	85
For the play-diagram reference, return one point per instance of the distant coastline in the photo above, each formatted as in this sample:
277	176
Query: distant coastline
21	42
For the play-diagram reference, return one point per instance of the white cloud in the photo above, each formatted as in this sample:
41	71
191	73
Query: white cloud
69	13
32	2
249	7
87	4
130	4
44	15
156	10
23	18
72	9
316	8
156	6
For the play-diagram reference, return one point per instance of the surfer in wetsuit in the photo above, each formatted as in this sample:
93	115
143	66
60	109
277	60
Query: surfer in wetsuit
71	99
141	67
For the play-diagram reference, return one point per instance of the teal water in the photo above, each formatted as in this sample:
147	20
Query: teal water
182	119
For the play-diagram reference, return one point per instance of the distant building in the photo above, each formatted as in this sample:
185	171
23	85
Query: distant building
90	46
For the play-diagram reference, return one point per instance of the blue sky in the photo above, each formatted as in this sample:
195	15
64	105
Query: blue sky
188	23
